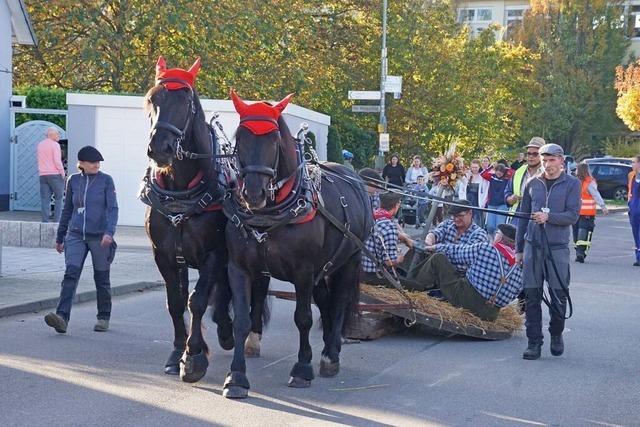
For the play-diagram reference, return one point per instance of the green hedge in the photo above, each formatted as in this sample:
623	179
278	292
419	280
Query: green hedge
43	97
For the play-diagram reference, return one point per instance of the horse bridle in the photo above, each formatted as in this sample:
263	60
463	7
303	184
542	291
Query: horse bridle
180	134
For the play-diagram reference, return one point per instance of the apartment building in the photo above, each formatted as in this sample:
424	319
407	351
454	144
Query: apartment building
479	14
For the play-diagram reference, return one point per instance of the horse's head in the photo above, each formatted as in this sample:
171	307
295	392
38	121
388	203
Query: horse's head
264	149
172	105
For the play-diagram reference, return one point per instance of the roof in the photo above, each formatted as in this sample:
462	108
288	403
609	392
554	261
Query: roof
21	29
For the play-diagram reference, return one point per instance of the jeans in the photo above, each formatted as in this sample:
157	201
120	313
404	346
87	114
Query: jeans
75	253
51	184
493	220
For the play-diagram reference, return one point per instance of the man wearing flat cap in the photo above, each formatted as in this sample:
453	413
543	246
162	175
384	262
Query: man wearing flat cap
493	278
553	201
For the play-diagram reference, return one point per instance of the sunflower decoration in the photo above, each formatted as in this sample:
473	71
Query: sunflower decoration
448	168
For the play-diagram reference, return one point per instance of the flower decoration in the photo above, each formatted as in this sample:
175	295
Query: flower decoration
448	168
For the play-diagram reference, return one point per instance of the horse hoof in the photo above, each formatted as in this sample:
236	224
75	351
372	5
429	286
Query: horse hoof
235	392
226	343
328	368
172	367
252	345
193	368
297	382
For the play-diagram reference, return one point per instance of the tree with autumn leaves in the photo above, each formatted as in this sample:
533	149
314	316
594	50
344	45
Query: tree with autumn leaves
628	87
487	95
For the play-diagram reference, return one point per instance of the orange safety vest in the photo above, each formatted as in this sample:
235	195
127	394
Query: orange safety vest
588	207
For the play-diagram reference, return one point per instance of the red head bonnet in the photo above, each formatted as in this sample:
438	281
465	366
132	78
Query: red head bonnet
260	118
186	77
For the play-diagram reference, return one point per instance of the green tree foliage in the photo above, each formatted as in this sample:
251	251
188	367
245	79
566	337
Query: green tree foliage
334	146
580	43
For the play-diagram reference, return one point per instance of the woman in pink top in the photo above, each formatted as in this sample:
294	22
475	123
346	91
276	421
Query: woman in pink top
51	174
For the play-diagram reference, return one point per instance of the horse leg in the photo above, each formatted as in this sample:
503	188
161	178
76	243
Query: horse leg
236	384
321	297
221	301
195	361
302	372
176	303
343	296
259	310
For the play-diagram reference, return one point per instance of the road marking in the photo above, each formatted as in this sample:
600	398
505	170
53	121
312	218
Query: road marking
508	418
366	387
445	379
282	359
601	423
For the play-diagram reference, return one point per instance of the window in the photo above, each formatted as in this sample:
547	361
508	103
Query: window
633	19
477	18
610	171
513	16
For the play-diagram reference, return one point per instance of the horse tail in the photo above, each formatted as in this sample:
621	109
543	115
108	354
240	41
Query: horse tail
352	312
266	312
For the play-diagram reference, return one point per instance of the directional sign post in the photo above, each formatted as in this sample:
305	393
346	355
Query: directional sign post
365	108
383	142
364	94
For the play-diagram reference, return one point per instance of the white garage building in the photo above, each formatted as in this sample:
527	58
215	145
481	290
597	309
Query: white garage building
119	128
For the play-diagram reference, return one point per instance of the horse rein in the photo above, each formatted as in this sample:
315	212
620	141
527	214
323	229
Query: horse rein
180	134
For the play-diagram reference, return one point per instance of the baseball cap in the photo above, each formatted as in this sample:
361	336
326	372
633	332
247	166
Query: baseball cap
552	150
536	142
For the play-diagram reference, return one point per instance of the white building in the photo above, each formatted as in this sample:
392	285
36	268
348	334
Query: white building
15	27
119	128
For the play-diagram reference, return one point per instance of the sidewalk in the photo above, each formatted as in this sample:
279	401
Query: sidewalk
30	277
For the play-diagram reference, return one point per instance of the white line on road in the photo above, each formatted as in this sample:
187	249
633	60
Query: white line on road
508	418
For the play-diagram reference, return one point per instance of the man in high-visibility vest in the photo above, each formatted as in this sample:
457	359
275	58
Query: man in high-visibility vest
524	174
583	229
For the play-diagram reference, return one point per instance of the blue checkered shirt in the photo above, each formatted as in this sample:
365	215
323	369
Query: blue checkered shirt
446	232
484	271
375	200
383	242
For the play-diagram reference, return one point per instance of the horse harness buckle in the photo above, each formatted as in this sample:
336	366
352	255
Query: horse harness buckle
302	204
205	200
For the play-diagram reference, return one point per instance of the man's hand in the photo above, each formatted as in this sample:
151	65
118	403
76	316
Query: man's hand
513	199
59	247
541	217
605	210
430	248
106	240
519	257
430	240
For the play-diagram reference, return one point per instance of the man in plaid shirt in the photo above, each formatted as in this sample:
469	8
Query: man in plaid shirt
383	243
493	278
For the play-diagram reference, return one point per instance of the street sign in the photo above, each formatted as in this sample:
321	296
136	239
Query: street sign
364	94
393	84
365	108
384	142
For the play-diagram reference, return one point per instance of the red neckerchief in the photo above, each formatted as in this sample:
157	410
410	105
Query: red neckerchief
507	251
382	214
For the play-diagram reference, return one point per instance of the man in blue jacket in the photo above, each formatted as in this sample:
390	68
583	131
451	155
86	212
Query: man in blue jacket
542	243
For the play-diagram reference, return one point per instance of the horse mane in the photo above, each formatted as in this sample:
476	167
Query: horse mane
287	147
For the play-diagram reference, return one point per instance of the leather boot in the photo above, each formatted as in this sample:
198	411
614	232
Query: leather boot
533	351
557	345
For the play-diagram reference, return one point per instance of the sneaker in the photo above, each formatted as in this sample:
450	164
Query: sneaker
580	259
636	264
102	325
557	345
57	322
533	351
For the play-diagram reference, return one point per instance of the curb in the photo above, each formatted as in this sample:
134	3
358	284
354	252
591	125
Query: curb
35	306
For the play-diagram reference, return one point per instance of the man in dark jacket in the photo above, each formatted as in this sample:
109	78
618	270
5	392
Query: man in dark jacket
542	242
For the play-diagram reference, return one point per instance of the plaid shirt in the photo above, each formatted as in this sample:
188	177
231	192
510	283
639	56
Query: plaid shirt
375	200
484	272
383	242
446	232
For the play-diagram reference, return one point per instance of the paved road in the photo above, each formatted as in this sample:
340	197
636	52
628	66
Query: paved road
115	378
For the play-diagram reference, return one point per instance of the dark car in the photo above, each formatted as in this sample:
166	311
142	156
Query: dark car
612	179
621	160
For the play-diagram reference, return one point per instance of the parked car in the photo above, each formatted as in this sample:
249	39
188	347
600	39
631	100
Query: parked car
570	163
612	179
609	159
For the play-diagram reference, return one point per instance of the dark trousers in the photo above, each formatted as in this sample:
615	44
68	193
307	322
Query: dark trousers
536	270
75	253
634	219
582	234
437	272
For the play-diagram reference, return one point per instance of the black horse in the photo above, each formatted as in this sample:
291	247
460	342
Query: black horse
314	255
185	222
